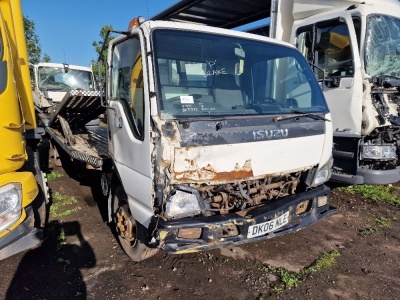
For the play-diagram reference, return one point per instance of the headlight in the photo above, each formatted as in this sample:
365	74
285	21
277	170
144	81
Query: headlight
378	152
322	174
182	203
10	205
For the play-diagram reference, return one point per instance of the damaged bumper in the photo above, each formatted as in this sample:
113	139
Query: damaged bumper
272	219
24	237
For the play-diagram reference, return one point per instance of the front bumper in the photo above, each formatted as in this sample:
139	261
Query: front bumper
231	229
24	237
368	176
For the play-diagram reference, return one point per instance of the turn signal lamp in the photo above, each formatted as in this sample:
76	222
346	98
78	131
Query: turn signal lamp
302	207
135	22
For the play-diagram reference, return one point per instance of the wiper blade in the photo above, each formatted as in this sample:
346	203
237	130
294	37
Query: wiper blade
197	119
387	81
298	114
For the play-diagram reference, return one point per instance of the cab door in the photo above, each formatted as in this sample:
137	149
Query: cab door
330	43
129	122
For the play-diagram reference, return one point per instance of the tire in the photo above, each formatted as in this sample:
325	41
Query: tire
130	234
42	209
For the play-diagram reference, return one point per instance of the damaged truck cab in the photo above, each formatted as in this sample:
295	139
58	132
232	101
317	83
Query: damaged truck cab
51	81
356	45
217	138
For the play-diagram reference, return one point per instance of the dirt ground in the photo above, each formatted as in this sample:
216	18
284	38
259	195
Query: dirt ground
80	259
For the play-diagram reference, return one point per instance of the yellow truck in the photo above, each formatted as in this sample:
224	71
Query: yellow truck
23	192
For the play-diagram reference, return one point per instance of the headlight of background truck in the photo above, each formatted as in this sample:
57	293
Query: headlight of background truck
377	152
182	202
10	205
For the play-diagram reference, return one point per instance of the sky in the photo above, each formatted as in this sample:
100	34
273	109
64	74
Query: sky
67	29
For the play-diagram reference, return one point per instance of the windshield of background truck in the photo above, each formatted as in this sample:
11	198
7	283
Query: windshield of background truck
382	46
64	79
203	74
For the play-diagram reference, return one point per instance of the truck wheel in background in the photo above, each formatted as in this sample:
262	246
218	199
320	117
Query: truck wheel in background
41	202
131	234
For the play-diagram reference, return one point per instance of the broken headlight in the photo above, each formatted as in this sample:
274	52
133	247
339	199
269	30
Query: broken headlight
182	202
378	152
318	176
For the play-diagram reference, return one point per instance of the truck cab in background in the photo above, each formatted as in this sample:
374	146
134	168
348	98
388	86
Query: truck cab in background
23	190
51	81
354	49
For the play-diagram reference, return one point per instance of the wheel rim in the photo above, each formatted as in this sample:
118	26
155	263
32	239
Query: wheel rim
125	228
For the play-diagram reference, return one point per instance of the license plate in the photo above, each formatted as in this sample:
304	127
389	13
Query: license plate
266	227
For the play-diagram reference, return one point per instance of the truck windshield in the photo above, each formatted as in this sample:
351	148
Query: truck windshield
64	79
382	46
204	74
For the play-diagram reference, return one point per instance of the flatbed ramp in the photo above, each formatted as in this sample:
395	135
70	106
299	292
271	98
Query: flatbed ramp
67	127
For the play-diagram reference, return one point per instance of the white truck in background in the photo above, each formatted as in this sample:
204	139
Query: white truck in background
354	46
204	147
51	81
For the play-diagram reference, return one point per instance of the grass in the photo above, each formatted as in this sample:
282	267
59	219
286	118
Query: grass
290	280
379	193
379	223
53	175
62	260
61	205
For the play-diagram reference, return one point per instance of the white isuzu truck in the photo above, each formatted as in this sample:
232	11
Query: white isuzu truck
51	81
355	46
215	138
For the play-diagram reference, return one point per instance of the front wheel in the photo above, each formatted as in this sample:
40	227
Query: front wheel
129	232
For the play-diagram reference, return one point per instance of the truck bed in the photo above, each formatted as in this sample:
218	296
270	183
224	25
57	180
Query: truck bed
67	127
90	144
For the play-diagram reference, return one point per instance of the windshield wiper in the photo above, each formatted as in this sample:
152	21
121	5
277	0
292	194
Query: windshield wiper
387	81
299	113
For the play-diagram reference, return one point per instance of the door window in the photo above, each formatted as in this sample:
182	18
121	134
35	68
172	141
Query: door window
127	81
328	46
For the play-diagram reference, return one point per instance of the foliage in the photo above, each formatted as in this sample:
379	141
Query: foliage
62	260
53	175
383	193
32	43
324	261
63	205
379	223
102	51
61	240
293	279
46	58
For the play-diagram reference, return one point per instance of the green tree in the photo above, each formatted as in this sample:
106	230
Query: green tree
46	58
32	43
102	51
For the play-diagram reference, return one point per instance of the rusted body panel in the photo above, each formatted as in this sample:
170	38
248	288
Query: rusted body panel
227	163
